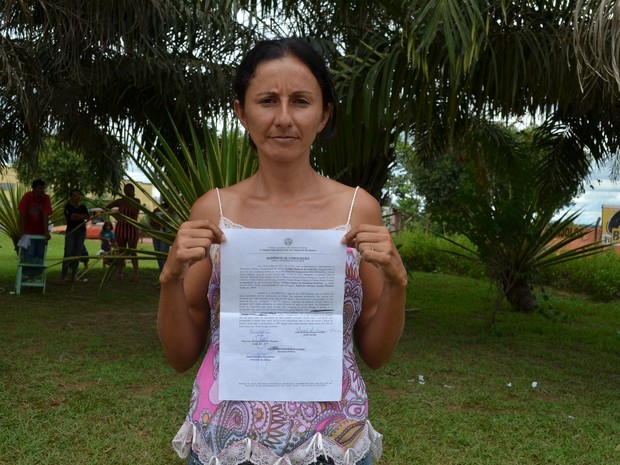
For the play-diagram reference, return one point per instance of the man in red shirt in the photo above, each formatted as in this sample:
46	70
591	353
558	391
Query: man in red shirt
34	210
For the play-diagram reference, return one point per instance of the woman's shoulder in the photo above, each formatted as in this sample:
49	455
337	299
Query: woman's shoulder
366	198
207	206
365	208
230	199
356	194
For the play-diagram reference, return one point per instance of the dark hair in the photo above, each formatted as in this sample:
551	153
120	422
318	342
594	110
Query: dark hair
106	223
37	183
76	190
267	50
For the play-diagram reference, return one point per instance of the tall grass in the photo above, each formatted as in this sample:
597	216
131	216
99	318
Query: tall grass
83	379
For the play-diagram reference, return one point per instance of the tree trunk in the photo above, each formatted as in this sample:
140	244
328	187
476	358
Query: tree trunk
520	296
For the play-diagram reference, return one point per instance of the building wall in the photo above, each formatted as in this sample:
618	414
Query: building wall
8	179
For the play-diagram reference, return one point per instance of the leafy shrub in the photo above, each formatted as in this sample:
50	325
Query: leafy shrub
596	276
422	251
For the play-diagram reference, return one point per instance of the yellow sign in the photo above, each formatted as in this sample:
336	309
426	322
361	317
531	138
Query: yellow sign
611	224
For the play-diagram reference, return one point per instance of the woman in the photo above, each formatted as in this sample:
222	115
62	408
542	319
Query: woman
284	99
76	215
127	234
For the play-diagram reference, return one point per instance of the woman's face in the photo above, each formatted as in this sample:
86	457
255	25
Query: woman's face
283	109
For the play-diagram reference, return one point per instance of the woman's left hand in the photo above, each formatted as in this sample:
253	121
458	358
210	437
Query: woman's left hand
376	246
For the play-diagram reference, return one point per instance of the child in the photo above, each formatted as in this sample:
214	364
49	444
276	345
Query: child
107	241
107	236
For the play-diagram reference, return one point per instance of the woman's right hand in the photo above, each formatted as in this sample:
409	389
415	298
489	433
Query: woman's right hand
192	244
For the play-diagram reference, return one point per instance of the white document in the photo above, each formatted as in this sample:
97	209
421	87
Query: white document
281	305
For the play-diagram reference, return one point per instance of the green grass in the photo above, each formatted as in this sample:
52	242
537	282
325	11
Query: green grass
83	379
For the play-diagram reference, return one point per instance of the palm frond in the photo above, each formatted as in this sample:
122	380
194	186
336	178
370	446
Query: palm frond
596	41
213	158
9	214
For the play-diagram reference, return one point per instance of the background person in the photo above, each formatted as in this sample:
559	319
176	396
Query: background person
76	215
127	234
84	259
107	237
108	243
34	211
284	98
158	244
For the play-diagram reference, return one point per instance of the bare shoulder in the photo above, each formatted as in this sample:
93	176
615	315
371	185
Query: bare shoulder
342	192
233	198
366	209
206	207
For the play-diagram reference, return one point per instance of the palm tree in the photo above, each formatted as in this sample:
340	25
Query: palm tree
450	60
93	74
212	158
486	192
426	69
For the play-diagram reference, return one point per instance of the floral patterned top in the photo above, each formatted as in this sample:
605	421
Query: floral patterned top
279	433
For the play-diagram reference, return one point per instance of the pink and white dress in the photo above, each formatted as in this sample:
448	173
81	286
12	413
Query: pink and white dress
280	433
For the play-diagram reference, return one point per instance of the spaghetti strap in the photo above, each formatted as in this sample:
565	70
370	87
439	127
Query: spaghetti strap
219	201
352	203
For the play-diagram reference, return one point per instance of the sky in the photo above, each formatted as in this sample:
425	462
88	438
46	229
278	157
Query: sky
602	192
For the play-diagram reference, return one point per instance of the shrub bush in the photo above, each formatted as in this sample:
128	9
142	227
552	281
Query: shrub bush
597	276
422	251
